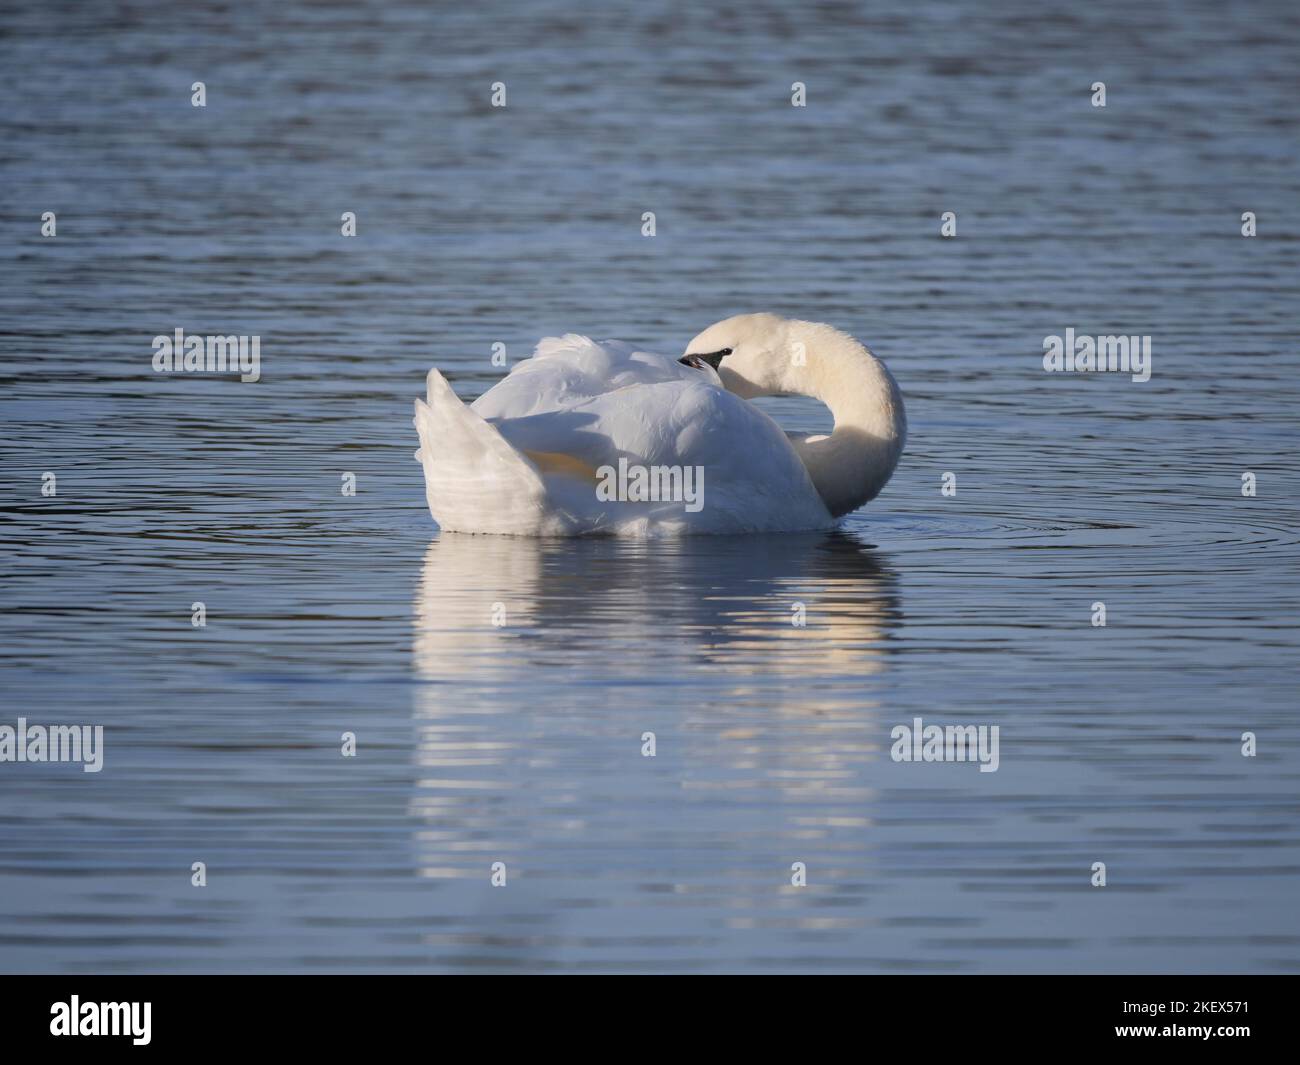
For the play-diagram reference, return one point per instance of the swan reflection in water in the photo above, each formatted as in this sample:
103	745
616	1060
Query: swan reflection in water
543	662
514	610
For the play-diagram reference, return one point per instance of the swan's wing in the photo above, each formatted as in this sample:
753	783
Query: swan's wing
474	480
752	477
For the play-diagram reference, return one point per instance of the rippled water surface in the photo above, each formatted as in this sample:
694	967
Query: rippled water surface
522	743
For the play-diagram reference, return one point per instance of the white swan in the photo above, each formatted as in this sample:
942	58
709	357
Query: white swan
539	453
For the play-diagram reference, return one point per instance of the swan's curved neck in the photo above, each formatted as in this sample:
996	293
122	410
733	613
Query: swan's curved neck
850	466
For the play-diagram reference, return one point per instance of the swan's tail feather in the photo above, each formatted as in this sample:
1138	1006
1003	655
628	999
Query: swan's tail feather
474	480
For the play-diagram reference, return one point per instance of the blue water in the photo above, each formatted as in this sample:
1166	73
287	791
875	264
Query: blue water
522	744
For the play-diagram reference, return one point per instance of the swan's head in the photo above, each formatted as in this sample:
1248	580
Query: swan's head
766	355
751	353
